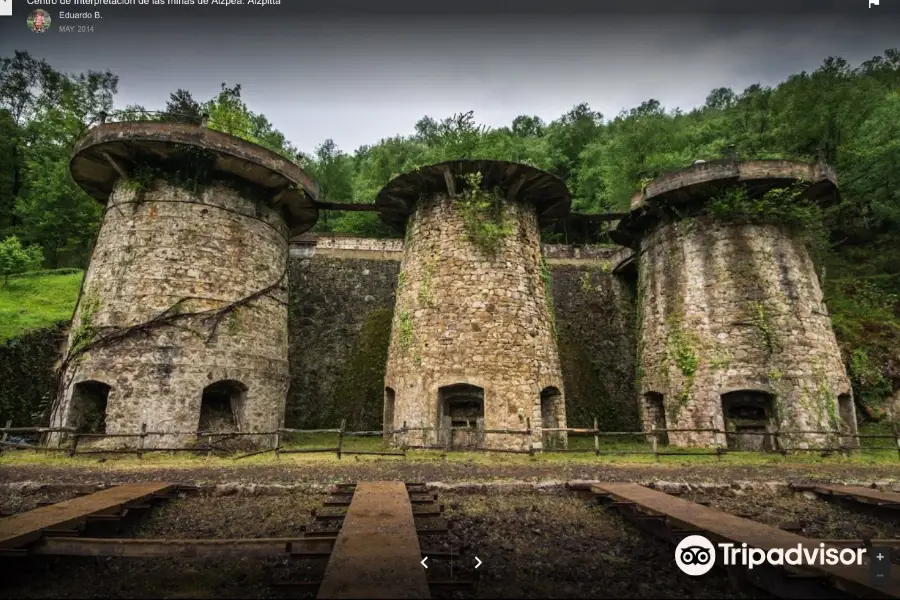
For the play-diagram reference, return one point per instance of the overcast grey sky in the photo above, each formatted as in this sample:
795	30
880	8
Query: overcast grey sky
357	79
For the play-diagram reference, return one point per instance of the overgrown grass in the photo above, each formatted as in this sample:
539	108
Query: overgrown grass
885	455
37	300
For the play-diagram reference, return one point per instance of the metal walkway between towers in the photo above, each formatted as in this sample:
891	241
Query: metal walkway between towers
376	553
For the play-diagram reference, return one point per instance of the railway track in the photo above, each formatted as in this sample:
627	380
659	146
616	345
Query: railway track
343	548
71	518
673	519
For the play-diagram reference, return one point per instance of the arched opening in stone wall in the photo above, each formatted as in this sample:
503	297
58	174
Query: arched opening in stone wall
389	398
461	412
221	406
88	411
551	417
655	415
749	420
847	413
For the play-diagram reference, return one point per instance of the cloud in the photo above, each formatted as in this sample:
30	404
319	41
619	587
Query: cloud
357	80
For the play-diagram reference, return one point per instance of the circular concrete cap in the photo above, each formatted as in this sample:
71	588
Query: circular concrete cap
111	146
397	200
702	181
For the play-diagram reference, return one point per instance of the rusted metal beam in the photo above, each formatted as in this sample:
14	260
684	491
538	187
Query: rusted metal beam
419	510
76	546
450	585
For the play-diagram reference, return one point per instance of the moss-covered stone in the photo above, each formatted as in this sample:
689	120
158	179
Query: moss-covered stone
335	307
359	397
595	322
27	364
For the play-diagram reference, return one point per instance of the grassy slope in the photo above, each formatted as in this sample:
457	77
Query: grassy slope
37	301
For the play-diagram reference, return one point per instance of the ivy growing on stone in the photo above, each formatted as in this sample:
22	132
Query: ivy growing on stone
483	214
682	353
585	281
427	276
86	331
547	278
405	331
760	319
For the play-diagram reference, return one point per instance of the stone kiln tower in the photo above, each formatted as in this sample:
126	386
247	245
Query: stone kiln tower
473	346
733	331
182	320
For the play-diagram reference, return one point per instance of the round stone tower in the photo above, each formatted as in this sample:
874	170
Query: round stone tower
473	345
181	324
733	332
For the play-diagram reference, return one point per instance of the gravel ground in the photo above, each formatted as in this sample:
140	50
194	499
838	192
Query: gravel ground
231	517
820	519
320	473
542	545
12	502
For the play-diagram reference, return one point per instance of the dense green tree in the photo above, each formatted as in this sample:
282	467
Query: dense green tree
182	107
16	258
229	113
10	169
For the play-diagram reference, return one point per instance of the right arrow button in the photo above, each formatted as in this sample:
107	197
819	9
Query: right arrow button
478	564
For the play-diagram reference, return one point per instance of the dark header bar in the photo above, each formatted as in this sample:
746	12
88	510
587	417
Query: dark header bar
243	9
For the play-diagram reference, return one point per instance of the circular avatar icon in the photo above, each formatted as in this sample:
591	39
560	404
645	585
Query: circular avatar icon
695	555
39	21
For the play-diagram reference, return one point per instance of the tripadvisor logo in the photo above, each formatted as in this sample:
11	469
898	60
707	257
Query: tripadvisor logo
696	555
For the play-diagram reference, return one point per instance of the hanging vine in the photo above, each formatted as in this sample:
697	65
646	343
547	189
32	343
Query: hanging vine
88	337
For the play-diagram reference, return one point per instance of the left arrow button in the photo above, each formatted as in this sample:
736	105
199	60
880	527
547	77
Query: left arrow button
423	562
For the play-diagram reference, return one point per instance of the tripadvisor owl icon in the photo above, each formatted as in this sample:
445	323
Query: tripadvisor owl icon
39	21
695	555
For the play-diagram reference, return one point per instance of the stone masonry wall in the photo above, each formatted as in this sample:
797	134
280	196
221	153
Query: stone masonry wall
336	300
332	302
462	317
735	307
338	304
595	320
209	249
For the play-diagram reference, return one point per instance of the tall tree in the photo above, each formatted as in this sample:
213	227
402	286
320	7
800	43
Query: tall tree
182	107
